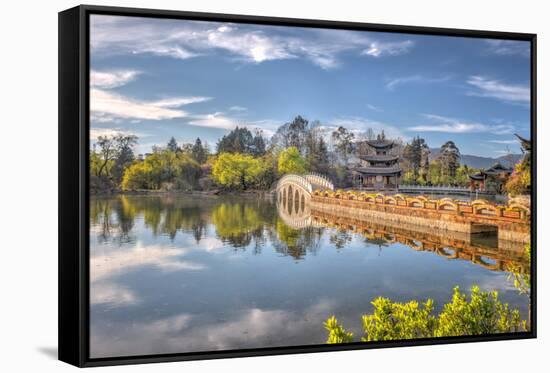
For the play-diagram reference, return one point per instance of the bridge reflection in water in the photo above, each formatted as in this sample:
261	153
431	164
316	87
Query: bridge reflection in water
481	249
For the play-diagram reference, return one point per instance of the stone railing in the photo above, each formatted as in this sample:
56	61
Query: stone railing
435	188
319	180
297	180
479	207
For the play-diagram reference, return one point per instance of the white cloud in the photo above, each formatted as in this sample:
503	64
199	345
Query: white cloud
175	102
223	121
509	47
112	79
238	108
96	132
496	89
215	120
392	84
358	125
504	142
452	125
252	44
374	108
107	106
380	49
112	105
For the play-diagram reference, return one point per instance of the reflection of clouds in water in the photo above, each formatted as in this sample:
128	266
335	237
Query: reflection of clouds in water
210	244
120	262
105	292
105	267
493	283
251	328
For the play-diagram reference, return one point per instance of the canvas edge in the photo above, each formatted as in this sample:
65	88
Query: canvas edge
73	183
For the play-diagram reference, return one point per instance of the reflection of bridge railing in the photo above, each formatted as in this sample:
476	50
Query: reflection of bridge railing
451	246
512	220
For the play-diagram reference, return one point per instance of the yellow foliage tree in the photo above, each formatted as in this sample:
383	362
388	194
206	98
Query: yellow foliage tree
235	170
291	162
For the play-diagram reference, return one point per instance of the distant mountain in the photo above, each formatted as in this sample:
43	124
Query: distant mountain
476	161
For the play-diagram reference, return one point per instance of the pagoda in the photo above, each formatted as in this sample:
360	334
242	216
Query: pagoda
380	170
491	179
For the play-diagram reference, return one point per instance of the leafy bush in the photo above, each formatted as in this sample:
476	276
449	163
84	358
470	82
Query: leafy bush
481	314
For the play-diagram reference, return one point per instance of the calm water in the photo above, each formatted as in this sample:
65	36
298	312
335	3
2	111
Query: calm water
179	274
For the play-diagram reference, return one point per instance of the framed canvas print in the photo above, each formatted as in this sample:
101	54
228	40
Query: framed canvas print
238	186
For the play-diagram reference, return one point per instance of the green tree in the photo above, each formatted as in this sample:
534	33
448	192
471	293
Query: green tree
258	144
414	154
343	142
234	170
291	162
241	140
198	152
463	175
173	145
449	157
292	134
316	154
162	169
124	157
110	156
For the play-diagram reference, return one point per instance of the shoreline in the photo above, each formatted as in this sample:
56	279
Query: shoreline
210	193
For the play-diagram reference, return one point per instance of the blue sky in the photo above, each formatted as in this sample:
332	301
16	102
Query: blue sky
158	78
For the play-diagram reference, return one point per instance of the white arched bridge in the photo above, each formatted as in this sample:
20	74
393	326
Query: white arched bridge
293	195
298	187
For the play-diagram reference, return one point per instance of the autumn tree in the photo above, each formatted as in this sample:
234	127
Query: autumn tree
110	156
291	162
235	170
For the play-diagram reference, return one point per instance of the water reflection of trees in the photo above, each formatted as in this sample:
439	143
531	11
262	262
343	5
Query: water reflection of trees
115	217
240	223
111	220
295	242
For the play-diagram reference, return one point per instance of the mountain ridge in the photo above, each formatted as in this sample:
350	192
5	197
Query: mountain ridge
477	161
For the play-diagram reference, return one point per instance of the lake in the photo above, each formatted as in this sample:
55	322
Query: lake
176	273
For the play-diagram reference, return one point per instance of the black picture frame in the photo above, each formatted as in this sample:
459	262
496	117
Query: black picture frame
73	221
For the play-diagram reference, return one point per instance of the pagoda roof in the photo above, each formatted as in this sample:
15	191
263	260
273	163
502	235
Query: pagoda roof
525	144
380	144
497	168
378	170
379	158
478	176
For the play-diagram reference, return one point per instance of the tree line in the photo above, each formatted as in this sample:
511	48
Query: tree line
244	159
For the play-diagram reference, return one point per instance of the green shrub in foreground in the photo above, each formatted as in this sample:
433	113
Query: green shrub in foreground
481	314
